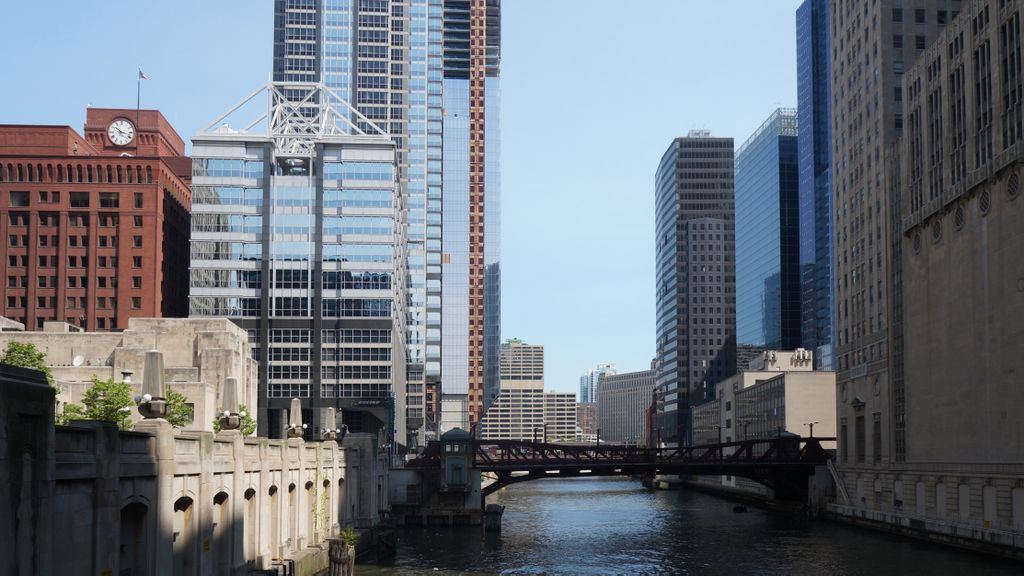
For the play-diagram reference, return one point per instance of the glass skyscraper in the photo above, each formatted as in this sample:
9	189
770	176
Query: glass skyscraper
412	67
297	236
768	286
814	148
695	278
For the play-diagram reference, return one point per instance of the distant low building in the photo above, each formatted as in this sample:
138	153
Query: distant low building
778	394
522	410
622	402
586	417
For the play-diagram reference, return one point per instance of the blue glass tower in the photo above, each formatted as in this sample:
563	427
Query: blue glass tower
768	236
814	95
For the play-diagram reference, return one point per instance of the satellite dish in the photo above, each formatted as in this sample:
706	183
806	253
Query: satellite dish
78	360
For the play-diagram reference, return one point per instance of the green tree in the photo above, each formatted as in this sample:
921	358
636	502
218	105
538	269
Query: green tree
104	400
179	413
26	355
248	422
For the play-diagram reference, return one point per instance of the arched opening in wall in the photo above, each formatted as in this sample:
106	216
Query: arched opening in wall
49	172
275	522
110	173
60	173
328	510
293	513
149	174
183	538
120	174
339	503
99	173
249	528
39	172
221	533
88	172
79	170
312	511
138	174
31	173
133	545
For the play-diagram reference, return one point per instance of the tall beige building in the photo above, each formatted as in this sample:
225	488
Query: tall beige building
930	305
522	410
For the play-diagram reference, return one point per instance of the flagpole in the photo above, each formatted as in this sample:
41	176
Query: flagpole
138	96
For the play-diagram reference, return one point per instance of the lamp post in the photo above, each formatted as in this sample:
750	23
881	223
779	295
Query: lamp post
811	425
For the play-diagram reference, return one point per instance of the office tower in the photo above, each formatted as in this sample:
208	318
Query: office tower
955	175
872	44
298	237
471	275
695	273
95	228
768	236
522	410
814	148
622	403
588	382
428	72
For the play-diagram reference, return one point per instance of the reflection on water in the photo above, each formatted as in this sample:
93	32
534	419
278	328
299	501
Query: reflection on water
614	526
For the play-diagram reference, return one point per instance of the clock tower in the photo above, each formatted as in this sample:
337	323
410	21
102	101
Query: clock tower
130	132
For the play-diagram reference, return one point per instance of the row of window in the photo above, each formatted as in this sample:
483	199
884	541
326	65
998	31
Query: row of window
77	220
72	302
73	261
76	174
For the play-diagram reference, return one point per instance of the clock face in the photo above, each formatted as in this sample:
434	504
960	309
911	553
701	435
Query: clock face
121	132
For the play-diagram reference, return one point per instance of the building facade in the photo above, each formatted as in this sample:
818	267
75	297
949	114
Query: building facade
522	410
298	237
814	150
622	403
887	37
199	355
588	382
951	468
95	228
695	273
768	288
427	71
586	418
777	394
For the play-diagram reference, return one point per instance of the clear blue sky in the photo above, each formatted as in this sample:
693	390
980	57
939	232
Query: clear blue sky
593	92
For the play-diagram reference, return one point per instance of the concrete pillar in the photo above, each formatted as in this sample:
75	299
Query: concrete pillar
163	504
237	501
106	492
27	480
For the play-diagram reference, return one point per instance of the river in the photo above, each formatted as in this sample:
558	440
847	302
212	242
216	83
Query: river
614	526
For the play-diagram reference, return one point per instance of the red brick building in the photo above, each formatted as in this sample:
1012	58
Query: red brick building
94	230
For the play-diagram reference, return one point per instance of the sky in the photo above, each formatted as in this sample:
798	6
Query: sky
593	92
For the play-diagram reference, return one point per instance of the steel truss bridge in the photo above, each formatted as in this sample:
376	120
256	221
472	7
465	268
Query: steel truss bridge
782	464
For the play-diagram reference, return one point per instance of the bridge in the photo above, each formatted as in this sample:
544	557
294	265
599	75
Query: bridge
782	464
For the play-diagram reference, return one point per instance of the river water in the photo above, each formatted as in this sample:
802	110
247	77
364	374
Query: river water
614	526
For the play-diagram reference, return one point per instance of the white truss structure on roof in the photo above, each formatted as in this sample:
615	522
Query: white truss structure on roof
296	124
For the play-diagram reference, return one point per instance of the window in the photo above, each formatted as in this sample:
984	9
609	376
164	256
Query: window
43	196
137	221
136	281
136	261
137	241
136	302
942	18
919	15
19	199
919	42
109	200
79	199
897	15
138	199
897	41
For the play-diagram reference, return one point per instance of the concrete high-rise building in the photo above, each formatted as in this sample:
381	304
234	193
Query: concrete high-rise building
94	228
936	447
695	277
588	382
522	410
622	403
298	237
427	72
872	45
814	148
768	236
